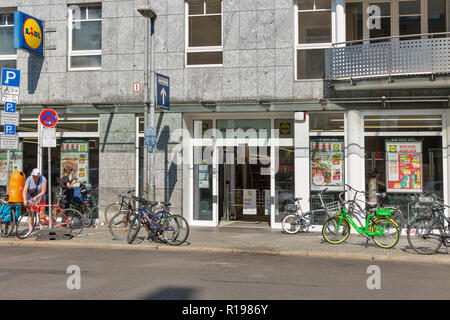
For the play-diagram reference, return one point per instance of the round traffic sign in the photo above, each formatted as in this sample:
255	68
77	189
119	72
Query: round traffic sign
48	118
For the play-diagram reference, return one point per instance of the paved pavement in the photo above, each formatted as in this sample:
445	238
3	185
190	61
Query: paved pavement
247	240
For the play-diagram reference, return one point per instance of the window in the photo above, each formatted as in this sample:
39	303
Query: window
409	18
85	38
354	21
8	54
204	33
384	29
437	16
314	35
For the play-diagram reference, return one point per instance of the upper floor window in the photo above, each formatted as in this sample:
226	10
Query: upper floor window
8	54
85	38
314	35
204	32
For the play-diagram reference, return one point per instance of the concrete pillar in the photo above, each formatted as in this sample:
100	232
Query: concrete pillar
117	156
354	152
301	145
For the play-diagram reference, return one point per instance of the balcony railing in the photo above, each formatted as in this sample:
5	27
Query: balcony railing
394	57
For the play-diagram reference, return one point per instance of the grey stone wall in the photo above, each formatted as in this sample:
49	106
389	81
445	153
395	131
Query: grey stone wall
117	157
258	55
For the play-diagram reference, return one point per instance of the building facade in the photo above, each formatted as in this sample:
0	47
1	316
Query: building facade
270	100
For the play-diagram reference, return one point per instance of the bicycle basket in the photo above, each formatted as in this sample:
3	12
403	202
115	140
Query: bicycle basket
333	208
291	207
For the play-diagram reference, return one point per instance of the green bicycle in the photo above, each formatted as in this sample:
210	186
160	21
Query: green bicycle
378	225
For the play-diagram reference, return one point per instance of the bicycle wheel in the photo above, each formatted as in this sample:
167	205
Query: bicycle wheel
76	221
26	224
291	223
335	233
120	223
6	228
397	216
134	228
176	230
424	235
391	233
110	211
88	216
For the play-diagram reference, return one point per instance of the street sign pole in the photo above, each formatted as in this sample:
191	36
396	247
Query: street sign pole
8	171
152	108
49	186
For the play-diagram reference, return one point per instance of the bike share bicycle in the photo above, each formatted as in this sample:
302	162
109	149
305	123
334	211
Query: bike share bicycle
428	232
378	223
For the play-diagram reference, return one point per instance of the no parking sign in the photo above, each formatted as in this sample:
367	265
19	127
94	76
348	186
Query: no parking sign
48	118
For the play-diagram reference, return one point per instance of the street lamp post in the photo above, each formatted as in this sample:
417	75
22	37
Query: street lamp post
148	13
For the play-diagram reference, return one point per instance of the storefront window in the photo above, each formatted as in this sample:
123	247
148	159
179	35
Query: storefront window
403	123
330	121
407	166
326	172
77	126
82	155
284	169
203	184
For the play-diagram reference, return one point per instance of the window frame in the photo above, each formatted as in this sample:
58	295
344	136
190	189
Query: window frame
309	46
82	53
203	49
8	57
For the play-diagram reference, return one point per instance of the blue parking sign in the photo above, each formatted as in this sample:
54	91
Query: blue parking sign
10	77
9	129
10	107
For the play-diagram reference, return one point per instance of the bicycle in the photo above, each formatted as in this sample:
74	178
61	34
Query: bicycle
294	222
69	220
83	208
9	215
427	233
378	225
117	207
120	221
370	208
161	225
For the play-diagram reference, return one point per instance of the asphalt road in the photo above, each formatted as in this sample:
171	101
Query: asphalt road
41	273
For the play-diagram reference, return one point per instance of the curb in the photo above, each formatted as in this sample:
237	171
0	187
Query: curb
307	253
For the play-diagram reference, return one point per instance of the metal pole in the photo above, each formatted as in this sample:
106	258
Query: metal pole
7	172
144	174
152	108
49	186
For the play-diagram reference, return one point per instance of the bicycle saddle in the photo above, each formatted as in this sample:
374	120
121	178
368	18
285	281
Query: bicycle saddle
298	199
166	203
148	203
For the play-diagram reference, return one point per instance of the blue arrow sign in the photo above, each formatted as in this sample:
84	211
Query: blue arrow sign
163	91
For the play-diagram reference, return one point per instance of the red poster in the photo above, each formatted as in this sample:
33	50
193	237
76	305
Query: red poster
404	166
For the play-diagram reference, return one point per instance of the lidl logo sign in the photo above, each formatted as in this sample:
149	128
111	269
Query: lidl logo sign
392	148
28	33
32	33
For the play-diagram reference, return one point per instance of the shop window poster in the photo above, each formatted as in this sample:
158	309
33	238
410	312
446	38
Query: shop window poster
15	163
327	165
404	166
75	154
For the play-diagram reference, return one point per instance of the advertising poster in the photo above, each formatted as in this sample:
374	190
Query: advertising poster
75	154
327	165
203	176
267	203
15	163
249	203
404	166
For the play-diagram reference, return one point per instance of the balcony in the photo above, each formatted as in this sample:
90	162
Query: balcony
403	59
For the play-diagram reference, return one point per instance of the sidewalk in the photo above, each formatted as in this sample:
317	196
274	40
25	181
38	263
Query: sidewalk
247	240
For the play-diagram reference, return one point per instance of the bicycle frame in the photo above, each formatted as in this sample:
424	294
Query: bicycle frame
145	213
364	230
43	217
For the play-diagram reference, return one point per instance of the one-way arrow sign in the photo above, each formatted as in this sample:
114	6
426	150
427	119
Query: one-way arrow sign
163	91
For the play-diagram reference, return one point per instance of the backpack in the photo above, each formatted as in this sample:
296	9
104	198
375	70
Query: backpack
5	213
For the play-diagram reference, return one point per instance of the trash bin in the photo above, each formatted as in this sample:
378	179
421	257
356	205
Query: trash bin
16	184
